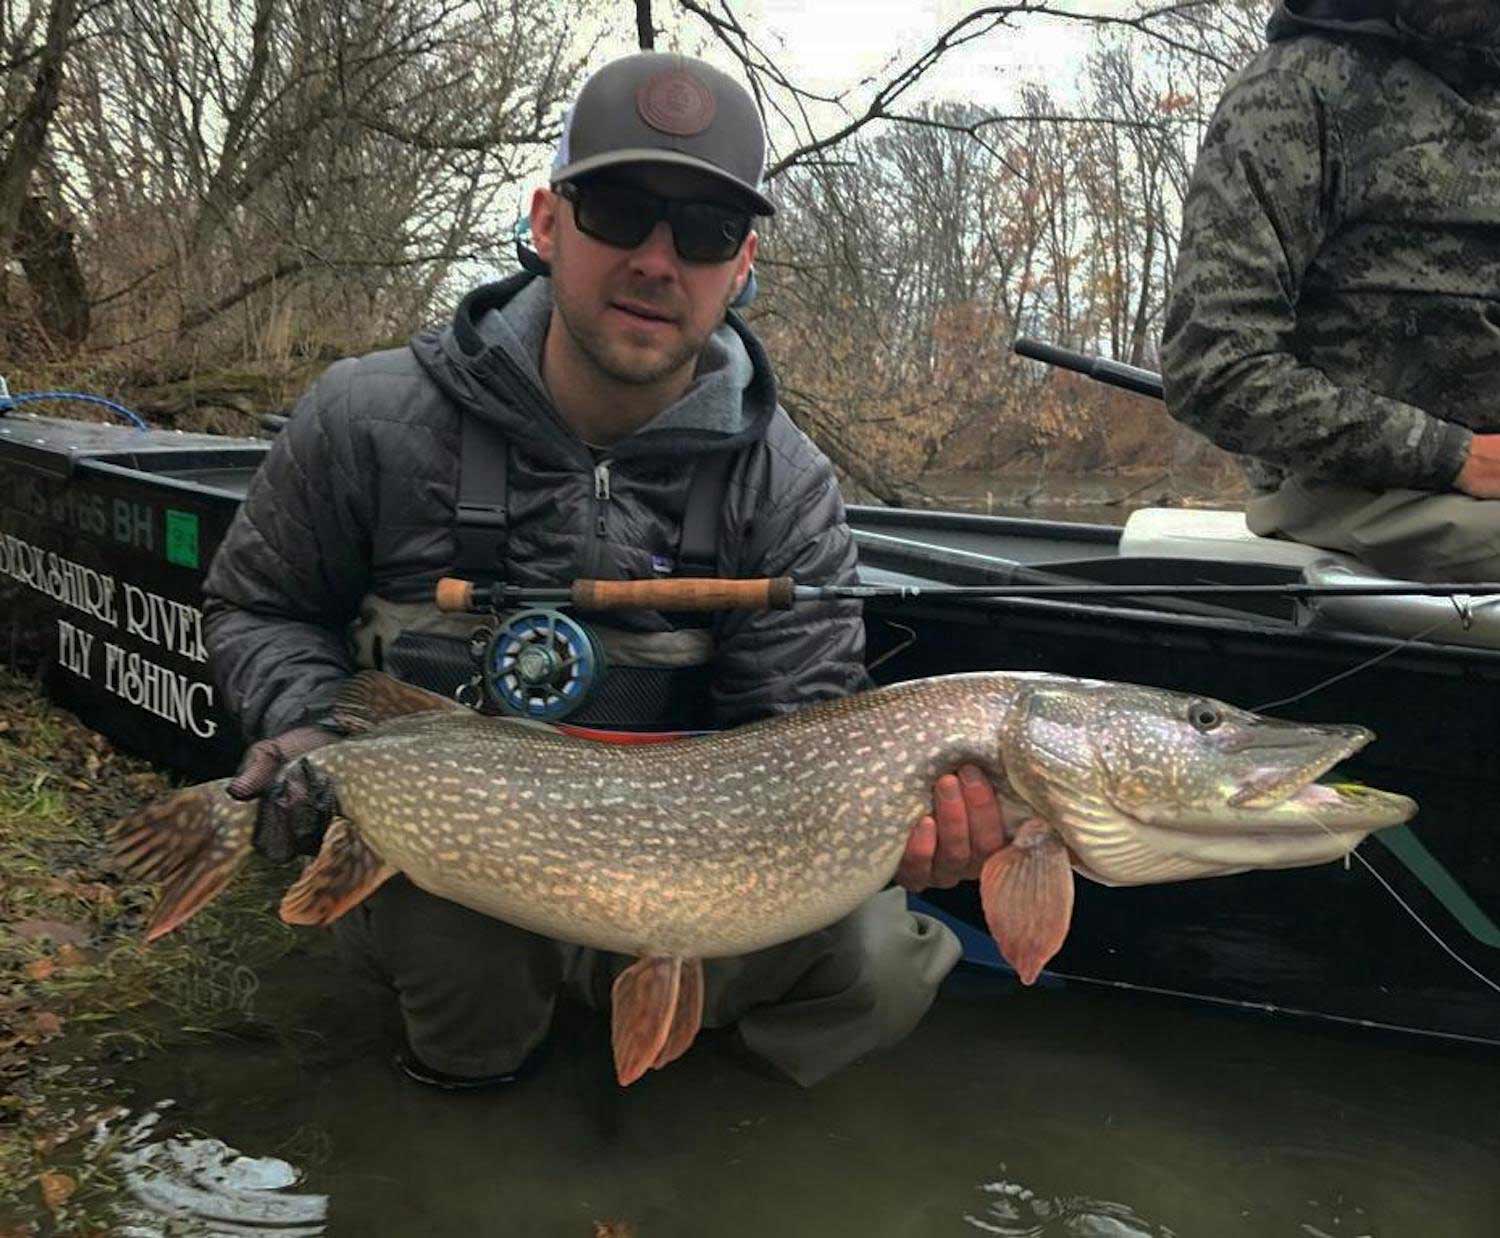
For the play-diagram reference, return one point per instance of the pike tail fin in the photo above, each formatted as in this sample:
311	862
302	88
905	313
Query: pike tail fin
192	841
345	873
1027	893
657	1009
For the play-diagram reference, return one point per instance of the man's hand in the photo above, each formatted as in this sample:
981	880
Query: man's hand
965	828
1480	475
291	819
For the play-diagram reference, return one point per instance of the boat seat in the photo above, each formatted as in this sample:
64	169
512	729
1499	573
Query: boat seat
1201	533
1169	533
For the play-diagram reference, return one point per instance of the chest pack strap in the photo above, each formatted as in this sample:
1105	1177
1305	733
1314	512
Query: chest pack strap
698	549
482	526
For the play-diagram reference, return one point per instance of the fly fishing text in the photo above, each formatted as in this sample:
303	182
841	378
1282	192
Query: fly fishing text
146	616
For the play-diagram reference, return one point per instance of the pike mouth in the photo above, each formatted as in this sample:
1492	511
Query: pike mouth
1276	784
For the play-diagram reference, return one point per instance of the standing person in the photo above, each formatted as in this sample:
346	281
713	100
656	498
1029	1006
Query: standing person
1333	314
561	428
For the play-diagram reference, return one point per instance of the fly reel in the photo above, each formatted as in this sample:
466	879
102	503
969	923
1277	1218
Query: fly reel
540	664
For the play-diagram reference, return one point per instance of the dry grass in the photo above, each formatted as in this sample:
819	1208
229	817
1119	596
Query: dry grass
79	990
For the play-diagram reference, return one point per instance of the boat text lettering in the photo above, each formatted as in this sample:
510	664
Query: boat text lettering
162	621
73	648
73	585
181	701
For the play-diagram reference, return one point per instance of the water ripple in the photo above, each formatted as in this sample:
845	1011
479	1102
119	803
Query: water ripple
187	1184
1015	1211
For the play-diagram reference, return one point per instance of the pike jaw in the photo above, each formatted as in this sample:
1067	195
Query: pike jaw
1146	785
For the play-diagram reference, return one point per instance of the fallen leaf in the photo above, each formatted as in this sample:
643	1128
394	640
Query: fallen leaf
614	1229
56	1187
85	891
59	930
69	955
40	969
43	1025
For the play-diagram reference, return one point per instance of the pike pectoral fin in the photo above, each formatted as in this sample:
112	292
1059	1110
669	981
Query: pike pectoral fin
345	873
1027	892
657	1009
193	841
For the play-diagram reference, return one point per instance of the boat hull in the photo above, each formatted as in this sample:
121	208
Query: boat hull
146	510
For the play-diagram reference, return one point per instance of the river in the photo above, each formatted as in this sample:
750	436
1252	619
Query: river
1092	499
1054	1112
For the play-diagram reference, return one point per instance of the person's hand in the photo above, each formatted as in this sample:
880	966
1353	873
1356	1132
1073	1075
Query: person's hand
1480	475
296	802
964	829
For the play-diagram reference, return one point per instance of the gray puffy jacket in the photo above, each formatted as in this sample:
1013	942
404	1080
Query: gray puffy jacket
356	499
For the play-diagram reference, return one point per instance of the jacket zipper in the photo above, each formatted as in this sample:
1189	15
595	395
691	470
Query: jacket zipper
601	500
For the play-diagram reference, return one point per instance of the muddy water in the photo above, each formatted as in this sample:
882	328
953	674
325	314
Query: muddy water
1057	1112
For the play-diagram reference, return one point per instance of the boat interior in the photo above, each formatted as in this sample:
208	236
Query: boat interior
902	546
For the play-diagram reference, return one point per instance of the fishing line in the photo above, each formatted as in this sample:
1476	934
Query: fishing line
1412	912
1423	634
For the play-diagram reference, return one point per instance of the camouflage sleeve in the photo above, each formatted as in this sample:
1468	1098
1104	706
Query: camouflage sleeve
1268	187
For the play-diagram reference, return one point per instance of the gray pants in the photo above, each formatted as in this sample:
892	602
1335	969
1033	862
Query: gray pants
477	995
1409	534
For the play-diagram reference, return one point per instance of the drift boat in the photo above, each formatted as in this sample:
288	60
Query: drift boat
106	533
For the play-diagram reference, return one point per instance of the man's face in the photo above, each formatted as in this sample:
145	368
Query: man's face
638	315
1466	21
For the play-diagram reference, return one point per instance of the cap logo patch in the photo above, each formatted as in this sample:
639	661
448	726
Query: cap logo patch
676	102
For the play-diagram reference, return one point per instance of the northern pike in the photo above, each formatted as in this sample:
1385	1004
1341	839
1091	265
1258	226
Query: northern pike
732	841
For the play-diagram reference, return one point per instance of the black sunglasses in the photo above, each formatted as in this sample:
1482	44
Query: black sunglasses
623	216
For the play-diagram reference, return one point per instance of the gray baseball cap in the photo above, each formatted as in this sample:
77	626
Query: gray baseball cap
660	107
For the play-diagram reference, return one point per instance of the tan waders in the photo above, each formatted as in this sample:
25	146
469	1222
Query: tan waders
477	994
1408	534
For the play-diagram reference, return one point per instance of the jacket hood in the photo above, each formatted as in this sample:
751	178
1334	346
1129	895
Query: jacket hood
488	362
1367	17
1371	18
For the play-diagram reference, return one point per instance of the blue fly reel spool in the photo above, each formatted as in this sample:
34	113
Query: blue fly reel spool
542	664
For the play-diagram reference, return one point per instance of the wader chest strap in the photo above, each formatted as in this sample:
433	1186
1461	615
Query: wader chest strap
698	551
482	527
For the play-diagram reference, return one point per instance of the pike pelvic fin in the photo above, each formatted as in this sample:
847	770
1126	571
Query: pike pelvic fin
1027	893
687	1015
369	698
192	841
344	873
657	1008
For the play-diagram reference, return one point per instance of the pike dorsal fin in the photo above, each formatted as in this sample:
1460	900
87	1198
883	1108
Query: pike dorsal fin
371	697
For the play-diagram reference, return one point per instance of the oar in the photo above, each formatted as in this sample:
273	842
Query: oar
782	592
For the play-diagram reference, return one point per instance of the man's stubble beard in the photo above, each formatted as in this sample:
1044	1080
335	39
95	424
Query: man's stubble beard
594	343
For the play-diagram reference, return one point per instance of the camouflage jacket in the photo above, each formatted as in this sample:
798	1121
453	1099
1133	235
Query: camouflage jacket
1336	307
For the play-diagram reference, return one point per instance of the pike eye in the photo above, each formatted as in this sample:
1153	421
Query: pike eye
1204	715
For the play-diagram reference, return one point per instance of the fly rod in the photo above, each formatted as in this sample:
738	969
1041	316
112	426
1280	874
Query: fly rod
1115	373
782	593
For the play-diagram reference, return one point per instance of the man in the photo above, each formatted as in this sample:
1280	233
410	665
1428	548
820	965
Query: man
1334	309
590	400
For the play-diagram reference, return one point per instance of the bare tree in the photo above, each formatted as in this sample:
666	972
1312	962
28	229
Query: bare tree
240	161
33	56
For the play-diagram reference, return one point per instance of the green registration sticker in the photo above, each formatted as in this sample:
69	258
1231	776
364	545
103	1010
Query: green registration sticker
182	538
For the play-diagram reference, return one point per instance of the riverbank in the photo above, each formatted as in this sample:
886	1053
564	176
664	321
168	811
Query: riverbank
80	992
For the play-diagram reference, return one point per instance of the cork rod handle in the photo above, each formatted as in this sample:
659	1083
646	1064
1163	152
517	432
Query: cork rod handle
686	593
